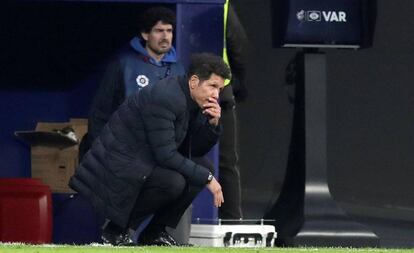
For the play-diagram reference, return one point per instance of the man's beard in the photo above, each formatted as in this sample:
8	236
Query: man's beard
159	50
162	49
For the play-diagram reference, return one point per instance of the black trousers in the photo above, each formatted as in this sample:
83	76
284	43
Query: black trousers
229	174
166	194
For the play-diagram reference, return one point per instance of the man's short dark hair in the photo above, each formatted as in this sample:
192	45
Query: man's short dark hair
153	15
205	64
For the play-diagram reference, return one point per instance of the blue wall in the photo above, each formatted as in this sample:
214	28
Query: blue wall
22	109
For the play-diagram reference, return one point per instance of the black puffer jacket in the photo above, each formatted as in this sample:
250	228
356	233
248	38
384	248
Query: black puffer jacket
144	133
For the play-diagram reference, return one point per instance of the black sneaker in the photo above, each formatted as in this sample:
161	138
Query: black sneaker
161	238
116	239
171	239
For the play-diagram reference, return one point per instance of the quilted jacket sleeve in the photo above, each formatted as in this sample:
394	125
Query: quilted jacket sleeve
159	118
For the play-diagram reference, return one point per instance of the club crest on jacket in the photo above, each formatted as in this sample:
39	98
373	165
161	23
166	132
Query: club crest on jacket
142	80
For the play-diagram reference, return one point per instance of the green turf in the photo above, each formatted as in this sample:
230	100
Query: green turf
20	248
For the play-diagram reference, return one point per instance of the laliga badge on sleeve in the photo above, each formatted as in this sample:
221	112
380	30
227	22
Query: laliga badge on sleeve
142	81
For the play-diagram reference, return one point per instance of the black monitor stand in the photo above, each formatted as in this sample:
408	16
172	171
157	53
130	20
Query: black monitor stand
305	213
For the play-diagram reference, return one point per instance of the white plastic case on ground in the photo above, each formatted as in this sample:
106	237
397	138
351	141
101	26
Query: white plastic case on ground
232	235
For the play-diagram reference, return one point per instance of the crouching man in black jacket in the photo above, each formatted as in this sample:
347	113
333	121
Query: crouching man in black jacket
137	166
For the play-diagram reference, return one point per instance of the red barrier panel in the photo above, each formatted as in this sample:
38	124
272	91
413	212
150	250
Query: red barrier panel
25	211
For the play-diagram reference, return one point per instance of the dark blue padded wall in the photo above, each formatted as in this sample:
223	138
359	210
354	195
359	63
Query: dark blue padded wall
22	108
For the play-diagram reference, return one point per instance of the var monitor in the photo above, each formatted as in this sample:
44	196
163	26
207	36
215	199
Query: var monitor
323	23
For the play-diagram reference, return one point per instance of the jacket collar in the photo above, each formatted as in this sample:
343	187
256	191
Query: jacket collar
170	57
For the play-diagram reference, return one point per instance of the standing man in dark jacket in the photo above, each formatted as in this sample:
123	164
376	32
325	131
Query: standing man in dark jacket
147	59
134	167
233	92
